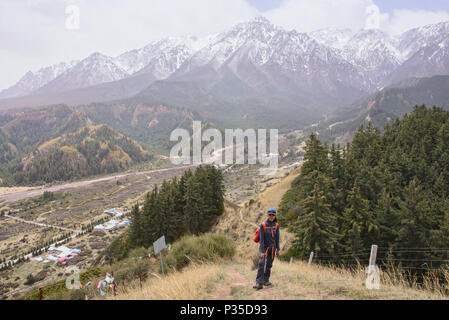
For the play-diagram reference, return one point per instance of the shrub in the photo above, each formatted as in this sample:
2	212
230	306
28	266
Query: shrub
48	196
255	261
208	247
287	256
131	268
118	249
30	280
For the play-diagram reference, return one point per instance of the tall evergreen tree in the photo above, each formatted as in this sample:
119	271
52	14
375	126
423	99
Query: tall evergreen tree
415	224
358	221
339	186
136	226
316	229
194	207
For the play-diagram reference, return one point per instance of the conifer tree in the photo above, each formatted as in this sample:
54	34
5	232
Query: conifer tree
136	226
316	229
166	208
215	180
316	161
415	224
152	218
194	207
339	186
358	221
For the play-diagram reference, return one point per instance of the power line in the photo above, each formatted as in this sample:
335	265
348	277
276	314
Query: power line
411	260
367	252
395	249
419	268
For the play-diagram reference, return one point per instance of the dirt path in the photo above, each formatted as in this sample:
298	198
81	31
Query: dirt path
247	222
41	224
239	280
238	285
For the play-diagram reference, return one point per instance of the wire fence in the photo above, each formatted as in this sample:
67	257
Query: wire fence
431	259
422	268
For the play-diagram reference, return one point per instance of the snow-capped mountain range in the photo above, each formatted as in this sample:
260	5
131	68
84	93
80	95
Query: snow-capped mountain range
32	81
261	54
265	57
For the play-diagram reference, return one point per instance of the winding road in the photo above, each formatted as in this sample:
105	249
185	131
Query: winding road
21	195
41	224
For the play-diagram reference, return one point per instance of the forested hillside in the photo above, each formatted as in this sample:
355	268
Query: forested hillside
89	151
189	205
22	132
149	124
85	140
390	190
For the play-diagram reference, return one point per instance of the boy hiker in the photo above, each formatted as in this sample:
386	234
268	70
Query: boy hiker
269	242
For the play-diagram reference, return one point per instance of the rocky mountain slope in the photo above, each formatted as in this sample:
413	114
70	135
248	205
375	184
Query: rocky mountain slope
385	106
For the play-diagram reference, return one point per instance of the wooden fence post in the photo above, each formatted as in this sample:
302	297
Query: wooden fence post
162	264
41	294
311	258
373	278
113	283
373	256
140	277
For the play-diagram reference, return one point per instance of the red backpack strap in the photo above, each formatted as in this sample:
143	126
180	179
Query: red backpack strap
264	226
277	226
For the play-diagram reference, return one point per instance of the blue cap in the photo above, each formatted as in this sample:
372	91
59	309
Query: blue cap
272	211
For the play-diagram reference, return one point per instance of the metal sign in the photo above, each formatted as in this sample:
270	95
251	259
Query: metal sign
159	244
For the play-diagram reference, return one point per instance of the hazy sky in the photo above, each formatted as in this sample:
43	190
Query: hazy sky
38	33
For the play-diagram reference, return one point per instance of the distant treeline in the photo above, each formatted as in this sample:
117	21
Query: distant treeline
390	190
189	205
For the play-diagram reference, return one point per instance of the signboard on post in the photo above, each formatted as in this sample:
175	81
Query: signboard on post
159	245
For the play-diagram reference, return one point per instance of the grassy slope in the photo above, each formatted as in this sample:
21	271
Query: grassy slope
296	281
234	279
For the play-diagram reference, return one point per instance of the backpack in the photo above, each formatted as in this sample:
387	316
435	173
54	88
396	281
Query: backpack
257	235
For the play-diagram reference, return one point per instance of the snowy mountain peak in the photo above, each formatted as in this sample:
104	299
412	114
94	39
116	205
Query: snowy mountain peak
415	39
32	81
331	37
95	69
160	58
261	19
366	57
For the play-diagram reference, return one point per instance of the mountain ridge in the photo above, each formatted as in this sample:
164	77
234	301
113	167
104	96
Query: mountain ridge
365	51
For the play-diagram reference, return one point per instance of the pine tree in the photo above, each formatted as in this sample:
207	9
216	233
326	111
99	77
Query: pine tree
339	186
316	229
387	215
136	227
358	221
415	225
166	208
148	220
194	207
316	161
215	180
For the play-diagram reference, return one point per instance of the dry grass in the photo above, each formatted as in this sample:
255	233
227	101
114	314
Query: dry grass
337	283
191	284
8	190
295	281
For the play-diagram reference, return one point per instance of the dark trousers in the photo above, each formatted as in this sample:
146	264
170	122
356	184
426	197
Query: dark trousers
264	268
